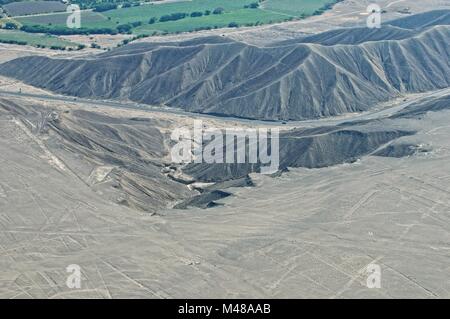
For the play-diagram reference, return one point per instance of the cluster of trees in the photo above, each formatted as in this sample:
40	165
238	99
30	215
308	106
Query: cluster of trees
126	28
129	5
140	36
57	30
10	26
42	46
105	7
253	5
19	42
181	15
89	4
196	14
60	30
173	17
326	7
230	25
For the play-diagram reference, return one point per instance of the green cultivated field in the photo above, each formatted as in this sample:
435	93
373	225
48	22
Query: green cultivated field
242	17
35	39
145	12
88	20
269	11
33	7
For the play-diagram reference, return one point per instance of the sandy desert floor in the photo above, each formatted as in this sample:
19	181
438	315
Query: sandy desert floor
309	233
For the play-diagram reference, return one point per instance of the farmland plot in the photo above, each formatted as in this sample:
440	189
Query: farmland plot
33	7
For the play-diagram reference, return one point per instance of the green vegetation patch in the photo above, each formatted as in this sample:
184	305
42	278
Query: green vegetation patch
33	7
84	4
88	20
232	19
37	40
146	11
174	17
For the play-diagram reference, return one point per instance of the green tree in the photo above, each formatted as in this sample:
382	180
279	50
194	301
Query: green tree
218	10
10	26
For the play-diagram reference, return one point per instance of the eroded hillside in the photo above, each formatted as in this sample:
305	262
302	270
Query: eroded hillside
349	70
